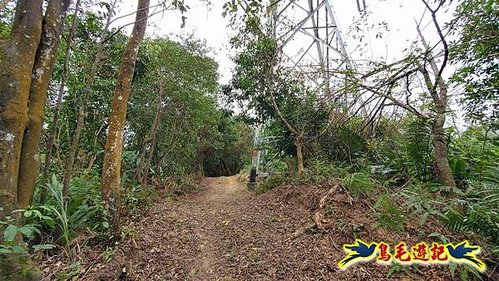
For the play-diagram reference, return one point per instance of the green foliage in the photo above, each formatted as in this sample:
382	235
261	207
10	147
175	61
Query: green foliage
228	147
396	268
80	62
473	151
85	209
137	199
359	184
59	210
11	244
186	79
422	201
71	272
390	216
338	142
276	180
481	209
476	24
323	169
465	272
61	217
418	147
6	18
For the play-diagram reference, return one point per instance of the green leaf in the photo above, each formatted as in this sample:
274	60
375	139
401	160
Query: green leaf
39	247
10	233
26	231
16	249
27	214
49	221
37	214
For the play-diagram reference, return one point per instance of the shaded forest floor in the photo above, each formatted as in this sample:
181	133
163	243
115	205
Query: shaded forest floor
224	232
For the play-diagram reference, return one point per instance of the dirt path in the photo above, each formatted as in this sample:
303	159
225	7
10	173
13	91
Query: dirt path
210	212
187	237
225	232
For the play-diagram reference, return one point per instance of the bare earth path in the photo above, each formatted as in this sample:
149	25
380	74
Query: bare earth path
225	232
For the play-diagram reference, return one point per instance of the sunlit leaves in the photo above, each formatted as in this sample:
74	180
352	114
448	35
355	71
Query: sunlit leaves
476	24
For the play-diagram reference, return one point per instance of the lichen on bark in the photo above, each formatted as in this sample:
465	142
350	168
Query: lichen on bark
111	171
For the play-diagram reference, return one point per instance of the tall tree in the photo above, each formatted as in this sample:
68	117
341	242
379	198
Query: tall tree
28	57
42	72
438	90
17	55
260	79
424	66
180	79
111	172
90	79
58	104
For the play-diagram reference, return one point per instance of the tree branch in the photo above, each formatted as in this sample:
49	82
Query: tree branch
438	71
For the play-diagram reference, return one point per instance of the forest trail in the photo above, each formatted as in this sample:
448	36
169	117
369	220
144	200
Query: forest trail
225	232
211	212
185	234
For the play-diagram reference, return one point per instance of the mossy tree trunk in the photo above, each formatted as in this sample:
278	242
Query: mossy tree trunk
17	55
27	57
53	23
111	171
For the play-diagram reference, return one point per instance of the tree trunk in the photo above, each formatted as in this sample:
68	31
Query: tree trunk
299	153
142	159
42	73
149	161
55	118
75	142
151	139
154	133
438	91
111	171
202	151
298	136
444	171
90	163
17	55
158	166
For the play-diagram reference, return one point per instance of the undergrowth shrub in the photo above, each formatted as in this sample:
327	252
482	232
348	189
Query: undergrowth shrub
276	180
480	213
31	228
137	198
85	206
419	149
390	216
423	201
359	184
